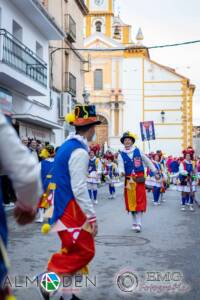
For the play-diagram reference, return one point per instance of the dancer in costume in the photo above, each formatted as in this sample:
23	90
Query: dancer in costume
73	217
174	165
157	180
94	173
46	175
187	181
131	164
111	173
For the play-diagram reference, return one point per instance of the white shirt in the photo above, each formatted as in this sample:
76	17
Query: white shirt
19	165
78	169
147	162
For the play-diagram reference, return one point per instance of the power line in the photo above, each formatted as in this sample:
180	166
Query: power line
127	48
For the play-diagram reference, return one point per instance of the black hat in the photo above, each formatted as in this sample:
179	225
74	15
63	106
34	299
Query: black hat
83	115
129	135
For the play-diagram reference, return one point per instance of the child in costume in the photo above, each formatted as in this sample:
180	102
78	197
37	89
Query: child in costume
94	173
111	173
187	181
157	180
47	164
131	164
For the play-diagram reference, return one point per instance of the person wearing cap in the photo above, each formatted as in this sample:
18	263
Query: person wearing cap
74	217
187	181
94	172
131	164
47	155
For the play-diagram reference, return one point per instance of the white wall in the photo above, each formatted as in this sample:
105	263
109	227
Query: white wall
132	86
22	106
30	35
169	134
30	32
170	117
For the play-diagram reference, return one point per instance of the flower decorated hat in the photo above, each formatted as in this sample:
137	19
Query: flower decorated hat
83	115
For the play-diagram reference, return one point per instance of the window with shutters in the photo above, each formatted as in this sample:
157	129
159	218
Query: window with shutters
98	79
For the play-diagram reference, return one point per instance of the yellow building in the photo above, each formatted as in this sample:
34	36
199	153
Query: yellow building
128	87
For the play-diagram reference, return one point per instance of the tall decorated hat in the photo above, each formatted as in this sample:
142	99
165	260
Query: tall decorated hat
83	115
190	151
129	135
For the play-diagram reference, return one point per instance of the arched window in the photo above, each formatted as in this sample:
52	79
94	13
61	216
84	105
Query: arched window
98	79
98	25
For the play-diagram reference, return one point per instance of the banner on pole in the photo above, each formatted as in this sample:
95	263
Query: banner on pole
147	130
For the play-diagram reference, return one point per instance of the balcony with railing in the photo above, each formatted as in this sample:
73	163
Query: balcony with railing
19	57
70	83
70	28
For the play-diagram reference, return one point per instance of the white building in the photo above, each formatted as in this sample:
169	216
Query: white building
128	87
25	31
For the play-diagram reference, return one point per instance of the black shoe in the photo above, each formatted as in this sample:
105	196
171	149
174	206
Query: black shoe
45	295
74	297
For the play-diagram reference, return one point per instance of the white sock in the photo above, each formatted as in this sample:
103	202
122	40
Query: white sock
134	218
139	218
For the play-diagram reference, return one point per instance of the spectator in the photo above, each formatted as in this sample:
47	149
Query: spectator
33	149
25	141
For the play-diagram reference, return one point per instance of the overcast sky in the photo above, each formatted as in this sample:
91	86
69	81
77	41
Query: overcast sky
168	22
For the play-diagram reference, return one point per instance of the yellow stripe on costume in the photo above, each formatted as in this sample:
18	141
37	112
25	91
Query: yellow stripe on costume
64	251
83	271
131	194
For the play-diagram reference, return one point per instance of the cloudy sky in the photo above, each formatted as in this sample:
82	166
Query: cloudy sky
168	22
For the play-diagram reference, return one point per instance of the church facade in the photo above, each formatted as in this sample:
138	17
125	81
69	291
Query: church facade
128	87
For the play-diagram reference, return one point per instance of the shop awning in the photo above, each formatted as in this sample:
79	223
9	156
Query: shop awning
28	118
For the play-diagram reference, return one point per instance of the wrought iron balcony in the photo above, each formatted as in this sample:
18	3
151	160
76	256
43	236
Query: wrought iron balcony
70	83
19	57
70	28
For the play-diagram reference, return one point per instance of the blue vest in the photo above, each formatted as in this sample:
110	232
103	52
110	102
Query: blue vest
92	165
135	164
110	171
188	167
3	234
158	168
61	177
46	169
174	166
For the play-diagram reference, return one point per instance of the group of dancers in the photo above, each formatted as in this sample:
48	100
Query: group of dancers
71	180
158	172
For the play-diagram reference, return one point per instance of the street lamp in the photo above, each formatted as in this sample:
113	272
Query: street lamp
86	96
162	116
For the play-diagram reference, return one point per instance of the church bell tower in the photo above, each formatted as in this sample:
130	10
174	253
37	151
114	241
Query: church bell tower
100	17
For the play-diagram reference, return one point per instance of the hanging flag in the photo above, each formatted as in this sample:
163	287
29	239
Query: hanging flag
147	130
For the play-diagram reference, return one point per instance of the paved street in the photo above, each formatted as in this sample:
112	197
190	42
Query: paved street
169	242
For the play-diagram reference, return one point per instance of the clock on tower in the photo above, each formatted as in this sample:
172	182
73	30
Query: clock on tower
100	5
99	2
